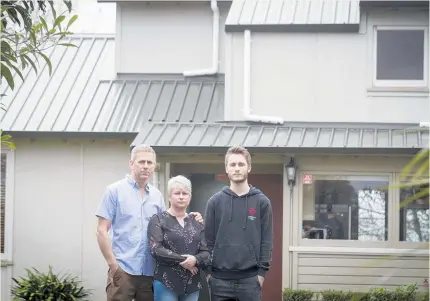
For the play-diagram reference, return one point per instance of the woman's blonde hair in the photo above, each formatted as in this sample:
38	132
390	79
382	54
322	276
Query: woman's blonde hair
178	181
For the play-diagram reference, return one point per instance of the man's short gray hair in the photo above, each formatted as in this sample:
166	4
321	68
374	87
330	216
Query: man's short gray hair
142	148
179	181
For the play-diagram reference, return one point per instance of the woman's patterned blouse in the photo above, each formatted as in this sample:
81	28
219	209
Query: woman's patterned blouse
168	240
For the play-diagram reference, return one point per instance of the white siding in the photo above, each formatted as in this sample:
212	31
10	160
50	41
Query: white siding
166	37
358	272
58	186
317	77
5	283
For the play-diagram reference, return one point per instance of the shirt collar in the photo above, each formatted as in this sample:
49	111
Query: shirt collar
134	183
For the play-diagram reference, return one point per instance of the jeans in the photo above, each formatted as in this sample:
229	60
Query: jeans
162	293
247	289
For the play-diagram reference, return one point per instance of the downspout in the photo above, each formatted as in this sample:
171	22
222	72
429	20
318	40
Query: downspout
247	86
215	45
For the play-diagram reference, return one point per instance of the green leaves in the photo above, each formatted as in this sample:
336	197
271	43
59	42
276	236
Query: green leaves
39	286
6	140
24	41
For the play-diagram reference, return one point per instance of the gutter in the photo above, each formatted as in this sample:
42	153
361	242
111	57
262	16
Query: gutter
215	45
247	86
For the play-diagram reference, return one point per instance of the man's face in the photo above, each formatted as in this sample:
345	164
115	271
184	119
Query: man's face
143	166
237	168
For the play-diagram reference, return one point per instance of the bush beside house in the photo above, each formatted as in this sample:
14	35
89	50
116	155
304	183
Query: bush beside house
403	293
38	286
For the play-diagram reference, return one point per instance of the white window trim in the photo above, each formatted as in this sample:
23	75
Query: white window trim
345	243
9	209
399	83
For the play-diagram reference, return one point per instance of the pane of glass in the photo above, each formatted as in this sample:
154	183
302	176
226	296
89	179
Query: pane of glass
414	216
400	55
347	208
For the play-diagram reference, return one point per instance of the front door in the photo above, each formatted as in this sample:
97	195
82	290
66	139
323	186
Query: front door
272	187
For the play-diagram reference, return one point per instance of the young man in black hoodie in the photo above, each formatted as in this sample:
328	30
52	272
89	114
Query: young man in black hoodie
239	234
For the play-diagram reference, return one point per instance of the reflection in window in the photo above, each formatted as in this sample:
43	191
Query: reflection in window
414	215
346	208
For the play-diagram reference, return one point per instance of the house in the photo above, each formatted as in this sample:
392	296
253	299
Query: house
337	88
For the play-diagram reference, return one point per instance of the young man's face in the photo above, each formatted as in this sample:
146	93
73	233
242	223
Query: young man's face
237	168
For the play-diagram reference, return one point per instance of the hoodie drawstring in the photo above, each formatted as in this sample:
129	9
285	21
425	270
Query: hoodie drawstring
246	213
231	208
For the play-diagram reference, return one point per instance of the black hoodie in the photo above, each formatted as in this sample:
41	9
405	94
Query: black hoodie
239	234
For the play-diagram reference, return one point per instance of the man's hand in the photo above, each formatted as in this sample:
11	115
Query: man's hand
113	267
261	280
197	216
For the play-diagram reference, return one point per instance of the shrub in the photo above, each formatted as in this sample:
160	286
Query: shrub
48	287
423	296
405	293
297	295
332	295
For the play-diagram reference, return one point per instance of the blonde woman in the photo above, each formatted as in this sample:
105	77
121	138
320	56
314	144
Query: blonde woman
177	242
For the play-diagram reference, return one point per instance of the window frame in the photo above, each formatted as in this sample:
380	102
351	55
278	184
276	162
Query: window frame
346	243
7	255
397	242
424	83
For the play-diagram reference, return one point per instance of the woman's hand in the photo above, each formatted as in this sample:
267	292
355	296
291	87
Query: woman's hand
188	263
193	270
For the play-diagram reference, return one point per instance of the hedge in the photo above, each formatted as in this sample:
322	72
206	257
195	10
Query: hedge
403	293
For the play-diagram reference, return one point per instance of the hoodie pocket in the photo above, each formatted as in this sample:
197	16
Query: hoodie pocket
234	257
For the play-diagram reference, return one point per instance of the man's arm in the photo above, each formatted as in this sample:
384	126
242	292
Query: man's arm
210	234
106	215
104	242
266	237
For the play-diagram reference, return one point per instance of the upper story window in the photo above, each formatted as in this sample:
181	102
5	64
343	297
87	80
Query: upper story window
401	55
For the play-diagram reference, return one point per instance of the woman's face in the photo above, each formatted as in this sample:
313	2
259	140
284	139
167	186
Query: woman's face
180	197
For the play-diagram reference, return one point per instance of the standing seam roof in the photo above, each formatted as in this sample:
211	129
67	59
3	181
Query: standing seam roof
293	13
267	136
83	94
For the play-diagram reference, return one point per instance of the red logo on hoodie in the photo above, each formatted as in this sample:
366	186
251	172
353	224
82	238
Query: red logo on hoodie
252	211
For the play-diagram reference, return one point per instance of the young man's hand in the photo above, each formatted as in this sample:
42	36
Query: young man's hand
261	280
197	216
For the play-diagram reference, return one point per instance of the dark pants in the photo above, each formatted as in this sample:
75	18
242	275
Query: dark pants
247	289
126	287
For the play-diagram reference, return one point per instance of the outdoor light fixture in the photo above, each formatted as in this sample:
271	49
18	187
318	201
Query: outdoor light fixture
291	168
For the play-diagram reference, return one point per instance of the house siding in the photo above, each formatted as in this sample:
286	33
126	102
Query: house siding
167	37
61	183
304	76
359	272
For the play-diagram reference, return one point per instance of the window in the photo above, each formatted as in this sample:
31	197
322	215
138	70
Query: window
345	208
6	205
414	215
401	57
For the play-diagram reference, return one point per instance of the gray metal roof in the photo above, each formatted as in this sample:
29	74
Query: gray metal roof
84	95
294	15
271	136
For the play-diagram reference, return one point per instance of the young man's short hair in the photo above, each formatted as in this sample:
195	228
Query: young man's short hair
239	150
